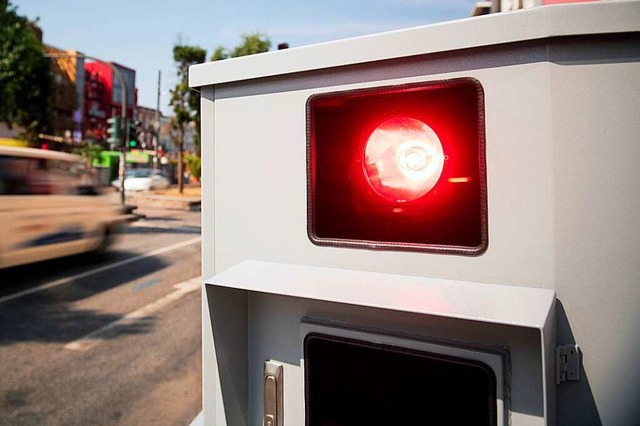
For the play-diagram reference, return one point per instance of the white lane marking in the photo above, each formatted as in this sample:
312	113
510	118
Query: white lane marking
92	339
67	280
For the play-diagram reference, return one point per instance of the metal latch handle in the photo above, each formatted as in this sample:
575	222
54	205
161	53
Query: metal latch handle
273	394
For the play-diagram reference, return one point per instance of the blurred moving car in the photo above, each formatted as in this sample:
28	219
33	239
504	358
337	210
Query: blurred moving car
143	180
49	207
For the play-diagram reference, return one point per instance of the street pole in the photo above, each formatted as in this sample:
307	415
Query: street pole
124	130
123	112
156	139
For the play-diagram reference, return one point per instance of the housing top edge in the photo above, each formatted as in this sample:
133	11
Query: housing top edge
499	28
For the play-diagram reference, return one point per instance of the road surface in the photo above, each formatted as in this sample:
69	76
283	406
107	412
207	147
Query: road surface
108	341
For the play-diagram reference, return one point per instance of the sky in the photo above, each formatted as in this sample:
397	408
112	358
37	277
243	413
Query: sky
140	34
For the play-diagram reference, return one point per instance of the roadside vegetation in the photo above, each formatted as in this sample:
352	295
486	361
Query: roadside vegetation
25	78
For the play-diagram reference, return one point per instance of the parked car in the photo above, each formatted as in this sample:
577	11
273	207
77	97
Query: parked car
49	207
143	180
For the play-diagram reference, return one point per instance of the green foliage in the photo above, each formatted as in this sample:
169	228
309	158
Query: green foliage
219	54
184	101
251	44
25	81
194	164
90	152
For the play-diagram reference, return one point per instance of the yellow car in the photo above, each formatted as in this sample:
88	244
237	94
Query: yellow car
49	207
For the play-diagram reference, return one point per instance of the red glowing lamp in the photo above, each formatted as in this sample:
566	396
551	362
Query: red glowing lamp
403	159
378	176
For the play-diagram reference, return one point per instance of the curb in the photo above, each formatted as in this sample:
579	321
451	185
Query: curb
128	214
163	201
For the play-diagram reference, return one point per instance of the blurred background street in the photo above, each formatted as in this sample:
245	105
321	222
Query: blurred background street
113	339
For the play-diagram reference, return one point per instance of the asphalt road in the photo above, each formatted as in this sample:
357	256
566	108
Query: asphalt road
108	341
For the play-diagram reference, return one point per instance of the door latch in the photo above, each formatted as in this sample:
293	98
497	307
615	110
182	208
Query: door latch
273	394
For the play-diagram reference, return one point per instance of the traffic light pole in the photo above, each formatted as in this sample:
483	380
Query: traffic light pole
124	128
123	112
156	137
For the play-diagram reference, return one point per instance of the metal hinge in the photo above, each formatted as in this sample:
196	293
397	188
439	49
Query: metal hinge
567	363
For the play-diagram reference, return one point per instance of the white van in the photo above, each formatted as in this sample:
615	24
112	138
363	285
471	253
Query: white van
49	207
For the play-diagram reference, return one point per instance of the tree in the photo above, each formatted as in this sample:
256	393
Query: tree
25	81
251	44
185	102
90	152
194	164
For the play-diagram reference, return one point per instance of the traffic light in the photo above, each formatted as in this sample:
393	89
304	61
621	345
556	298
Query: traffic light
115	130
134	134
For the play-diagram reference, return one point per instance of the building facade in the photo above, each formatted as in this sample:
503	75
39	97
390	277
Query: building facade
96	107
85	94
103	97
148	125
169	136
485	7
67	94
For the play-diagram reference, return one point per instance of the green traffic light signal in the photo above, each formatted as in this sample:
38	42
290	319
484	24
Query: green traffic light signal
114	130
134	133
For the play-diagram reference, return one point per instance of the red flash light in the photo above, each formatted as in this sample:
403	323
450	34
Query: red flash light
403	159
399	168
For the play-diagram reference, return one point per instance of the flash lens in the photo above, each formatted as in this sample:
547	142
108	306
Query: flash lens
403	159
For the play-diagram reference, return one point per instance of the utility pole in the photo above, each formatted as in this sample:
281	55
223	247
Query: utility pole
156	140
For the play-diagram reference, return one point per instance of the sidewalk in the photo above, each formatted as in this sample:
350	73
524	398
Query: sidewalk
169	198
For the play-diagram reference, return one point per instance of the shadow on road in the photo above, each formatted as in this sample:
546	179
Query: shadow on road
52	324
49	315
